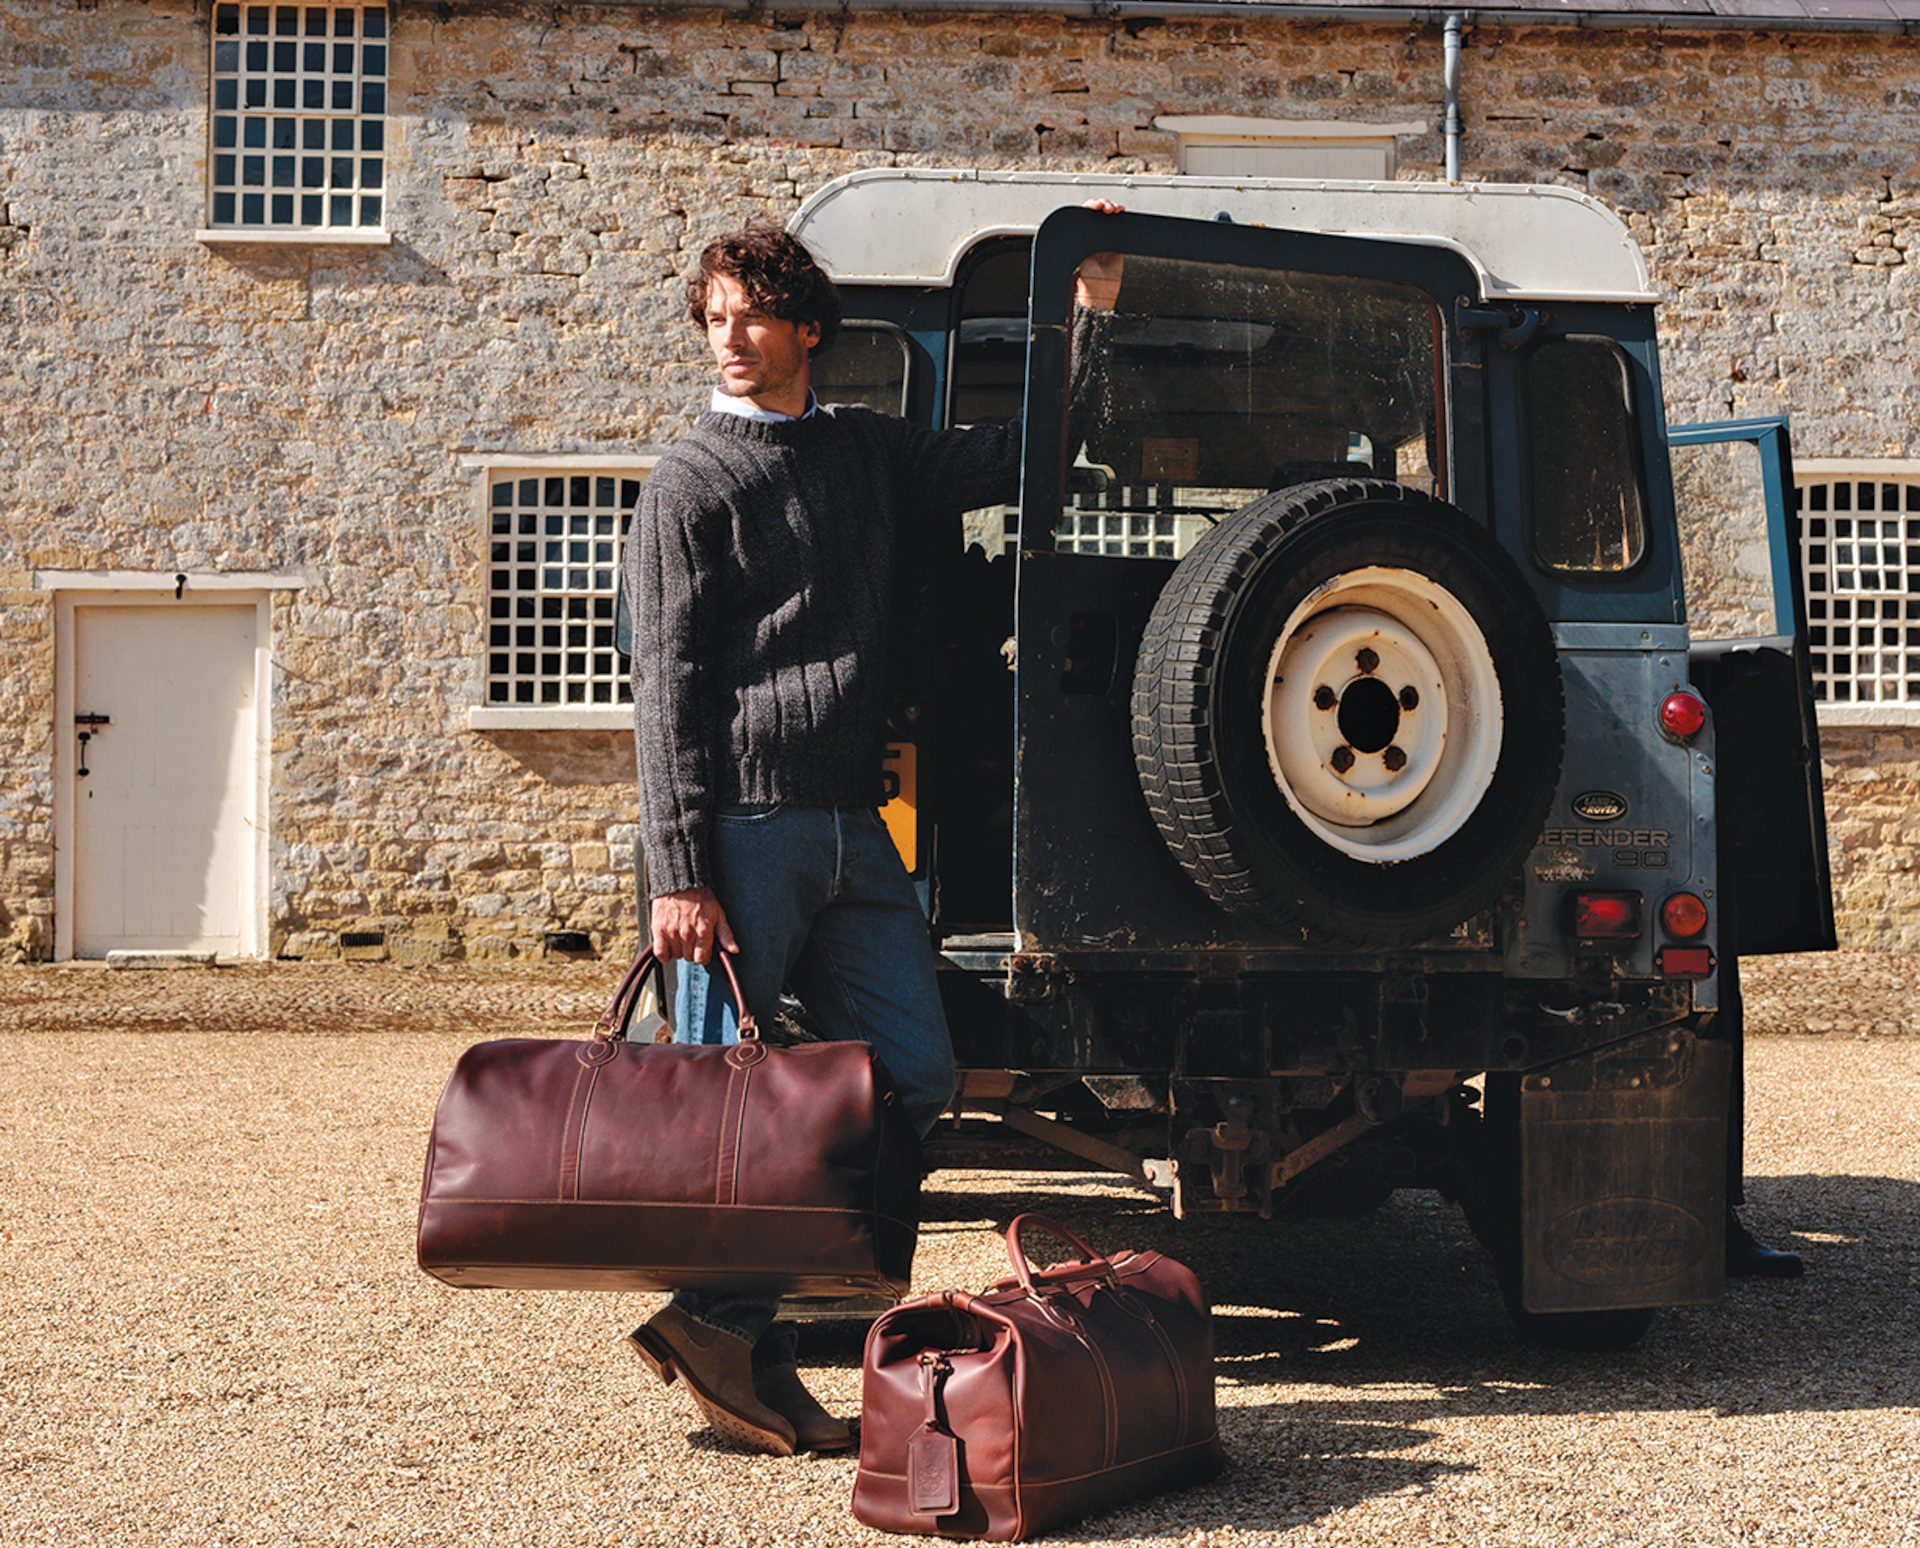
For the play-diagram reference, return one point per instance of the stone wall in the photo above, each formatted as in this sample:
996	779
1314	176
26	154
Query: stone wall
1873	832
305	410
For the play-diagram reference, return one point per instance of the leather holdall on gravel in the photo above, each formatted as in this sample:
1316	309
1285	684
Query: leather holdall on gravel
604	1164
1047	1397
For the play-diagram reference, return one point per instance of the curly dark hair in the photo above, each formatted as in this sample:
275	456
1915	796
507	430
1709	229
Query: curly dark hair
777	273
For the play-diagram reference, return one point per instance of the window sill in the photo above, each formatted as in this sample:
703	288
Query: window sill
262	236
550	717
1867	714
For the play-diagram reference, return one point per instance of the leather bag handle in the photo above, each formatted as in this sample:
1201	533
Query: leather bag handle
1015	1255
618	1016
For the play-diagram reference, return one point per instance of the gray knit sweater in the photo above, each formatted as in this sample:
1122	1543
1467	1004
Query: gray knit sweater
760	576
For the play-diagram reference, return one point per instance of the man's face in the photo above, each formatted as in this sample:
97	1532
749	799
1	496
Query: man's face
762	358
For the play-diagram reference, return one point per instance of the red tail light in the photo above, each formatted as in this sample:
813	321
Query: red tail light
1682	714
1606	916
1684	915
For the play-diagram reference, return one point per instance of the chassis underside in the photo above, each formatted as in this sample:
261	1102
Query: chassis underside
1243	1089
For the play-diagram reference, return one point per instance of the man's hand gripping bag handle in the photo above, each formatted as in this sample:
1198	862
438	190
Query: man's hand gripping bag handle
618	1016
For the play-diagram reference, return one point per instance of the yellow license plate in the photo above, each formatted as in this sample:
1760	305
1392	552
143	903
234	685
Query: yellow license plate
900	811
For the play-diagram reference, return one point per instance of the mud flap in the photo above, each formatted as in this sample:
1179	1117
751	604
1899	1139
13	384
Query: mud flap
1623	1176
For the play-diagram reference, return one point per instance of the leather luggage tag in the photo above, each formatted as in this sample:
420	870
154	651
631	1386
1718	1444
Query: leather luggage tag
933	1472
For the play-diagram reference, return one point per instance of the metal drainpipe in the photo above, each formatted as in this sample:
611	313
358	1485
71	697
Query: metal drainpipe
1450	33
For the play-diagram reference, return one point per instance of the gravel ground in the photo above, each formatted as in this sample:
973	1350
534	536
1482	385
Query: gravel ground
214	1331
1844	993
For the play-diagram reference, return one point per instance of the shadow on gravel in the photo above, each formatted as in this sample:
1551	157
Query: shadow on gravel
1404	1299
1407	1294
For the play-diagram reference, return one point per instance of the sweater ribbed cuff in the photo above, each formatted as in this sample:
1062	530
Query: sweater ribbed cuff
678	867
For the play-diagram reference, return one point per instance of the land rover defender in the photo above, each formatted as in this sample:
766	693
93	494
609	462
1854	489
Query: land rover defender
1362	756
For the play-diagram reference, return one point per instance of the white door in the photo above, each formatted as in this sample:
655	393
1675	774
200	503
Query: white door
163	784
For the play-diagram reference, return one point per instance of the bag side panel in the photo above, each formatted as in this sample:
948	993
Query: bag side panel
835	1091
1152	1346
976	1404
1156	1288
495	1209
496	1131
520	1245
1112	1398
654	1128
831	1166
1047	1503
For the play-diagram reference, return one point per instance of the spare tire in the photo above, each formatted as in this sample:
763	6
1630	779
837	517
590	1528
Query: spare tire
1347	714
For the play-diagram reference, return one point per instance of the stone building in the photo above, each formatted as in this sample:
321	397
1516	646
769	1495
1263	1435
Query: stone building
314	315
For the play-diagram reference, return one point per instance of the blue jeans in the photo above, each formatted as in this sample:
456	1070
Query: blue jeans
820	903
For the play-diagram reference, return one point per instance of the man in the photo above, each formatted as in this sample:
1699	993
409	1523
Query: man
760	577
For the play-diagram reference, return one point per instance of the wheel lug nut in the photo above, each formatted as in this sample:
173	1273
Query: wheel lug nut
1324	698
1342	759
1394	759
1366	659
1409	697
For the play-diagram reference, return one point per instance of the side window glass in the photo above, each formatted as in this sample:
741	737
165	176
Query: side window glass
1221	382
866	363
989	380
1725	556
990	347
1583	475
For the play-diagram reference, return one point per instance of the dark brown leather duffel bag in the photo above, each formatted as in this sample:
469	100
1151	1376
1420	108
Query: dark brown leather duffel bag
603	1164
1051	1395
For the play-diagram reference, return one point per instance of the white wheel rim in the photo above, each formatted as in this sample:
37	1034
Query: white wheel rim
1383	716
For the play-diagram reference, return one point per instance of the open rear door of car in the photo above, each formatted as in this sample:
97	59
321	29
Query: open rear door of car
1747	620
1240	361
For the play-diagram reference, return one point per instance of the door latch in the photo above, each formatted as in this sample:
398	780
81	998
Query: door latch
86	723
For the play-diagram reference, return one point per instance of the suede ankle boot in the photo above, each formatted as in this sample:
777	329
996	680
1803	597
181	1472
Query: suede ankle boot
781	1389
719	1373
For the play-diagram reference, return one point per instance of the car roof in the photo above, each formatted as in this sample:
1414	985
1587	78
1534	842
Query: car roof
912	226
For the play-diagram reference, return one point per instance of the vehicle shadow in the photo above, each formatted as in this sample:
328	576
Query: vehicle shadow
1407	1294
1377	1328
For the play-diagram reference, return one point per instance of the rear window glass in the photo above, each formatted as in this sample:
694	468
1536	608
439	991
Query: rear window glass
1583	477
1224	382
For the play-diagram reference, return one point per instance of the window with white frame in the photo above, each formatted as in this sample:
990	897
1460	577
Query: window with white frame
555	539
1087	526
1860	556
298	127
1234	147
556	529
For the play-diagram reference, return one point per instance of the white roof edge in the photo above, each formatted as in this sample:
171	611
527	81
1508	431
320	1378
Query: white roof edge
912	226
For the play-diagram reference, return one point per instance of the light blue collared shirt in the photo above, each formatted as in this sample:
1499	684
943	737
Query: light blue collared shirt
721	403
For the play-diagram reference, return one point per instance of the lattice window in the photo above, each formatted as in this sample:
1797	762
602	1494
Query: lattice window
299	117
553	579
1127	533
1145	521
1860	553
1106	526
